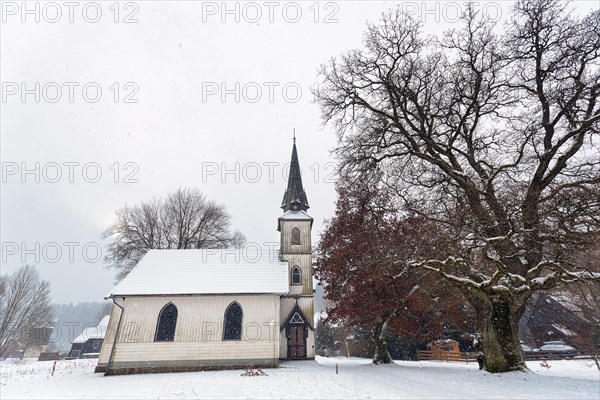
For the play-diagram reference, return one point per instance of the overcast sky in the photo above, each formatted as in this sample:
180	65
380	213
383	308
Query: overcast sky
104	105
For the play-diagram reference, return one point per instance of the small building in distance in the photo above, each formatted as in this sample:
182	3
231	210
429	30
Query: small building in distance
444	349
30	345
89	343
546	319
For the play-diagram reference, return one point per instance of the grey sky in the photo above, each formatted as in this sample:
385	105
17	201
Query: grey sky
199	94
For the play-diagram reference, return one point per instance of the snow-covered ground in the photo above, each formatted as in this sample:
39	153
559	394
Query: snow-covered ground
357	378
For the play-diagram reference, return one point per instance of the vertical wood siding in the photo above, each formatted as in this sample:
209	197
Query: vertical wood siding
286	237
306	304
109	335
199	329
304	261
299	255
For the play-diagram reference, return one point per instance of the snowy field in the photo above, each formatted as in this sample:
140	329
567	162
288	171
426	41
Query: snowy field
357	379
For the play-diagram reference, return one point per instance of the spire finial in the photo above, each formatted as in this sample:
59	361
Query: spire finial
294	135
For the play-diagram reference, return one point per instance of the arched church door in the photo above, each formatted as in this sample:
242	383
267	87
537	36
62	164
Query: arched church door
297	333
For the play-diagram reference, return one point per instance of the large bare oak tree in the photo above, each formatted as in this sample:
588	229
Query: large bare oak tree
185	219
494	133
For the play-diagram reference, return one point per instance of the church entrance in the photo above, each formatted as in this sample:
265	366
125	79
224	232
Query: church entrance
297	333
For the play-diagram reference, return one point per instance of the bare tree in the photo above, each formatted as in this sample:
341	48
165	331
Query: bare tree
186	219
583	298
496	137
25	309
104	310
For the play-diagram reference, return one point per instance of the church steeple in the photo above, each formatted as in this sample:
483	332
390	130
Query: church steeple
295	246
294	198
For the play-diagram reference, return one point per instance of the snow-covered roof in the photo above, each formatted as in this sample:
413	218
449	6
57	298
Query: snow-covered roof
93	332
564	330
291	215
179	272
556	347
298	215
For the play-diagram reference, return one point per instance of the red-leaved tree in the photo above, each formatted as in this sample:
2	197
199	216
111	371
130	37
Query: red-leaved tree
364	260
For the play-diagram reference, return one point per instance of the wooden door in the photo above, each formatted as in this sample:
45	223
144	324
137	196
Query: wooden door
296	342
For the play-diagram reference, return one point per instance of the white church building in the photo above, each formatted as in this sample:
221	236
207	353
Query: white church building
186	310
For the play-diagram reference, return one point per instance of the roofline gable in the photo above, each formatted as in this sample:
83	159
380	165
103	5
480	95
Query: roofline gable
295	310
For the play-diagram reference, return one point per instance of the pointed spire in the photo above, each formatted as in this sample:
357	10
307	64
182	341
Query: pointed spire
294	198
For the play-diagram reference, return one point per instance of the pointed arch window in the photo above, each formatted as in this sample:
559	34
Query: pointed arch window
167	320
232	327
296	276
296	236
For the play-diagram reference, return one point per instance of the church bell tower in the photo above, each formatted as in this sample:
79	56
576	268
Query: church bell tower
297	310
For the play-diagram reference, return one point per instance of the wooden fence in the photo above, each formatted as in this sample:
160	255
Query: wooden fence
426	355
545	355
49	356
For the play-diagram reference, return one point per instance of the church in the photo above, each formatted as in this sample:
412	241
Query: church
189	310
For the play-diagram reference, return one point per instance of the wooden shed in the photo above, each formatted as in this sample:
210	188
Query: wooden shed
444	349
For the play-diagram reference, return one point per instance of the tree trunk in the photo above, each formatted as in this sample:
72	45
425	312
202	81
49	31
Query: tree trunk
381	355
498	329
597	361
